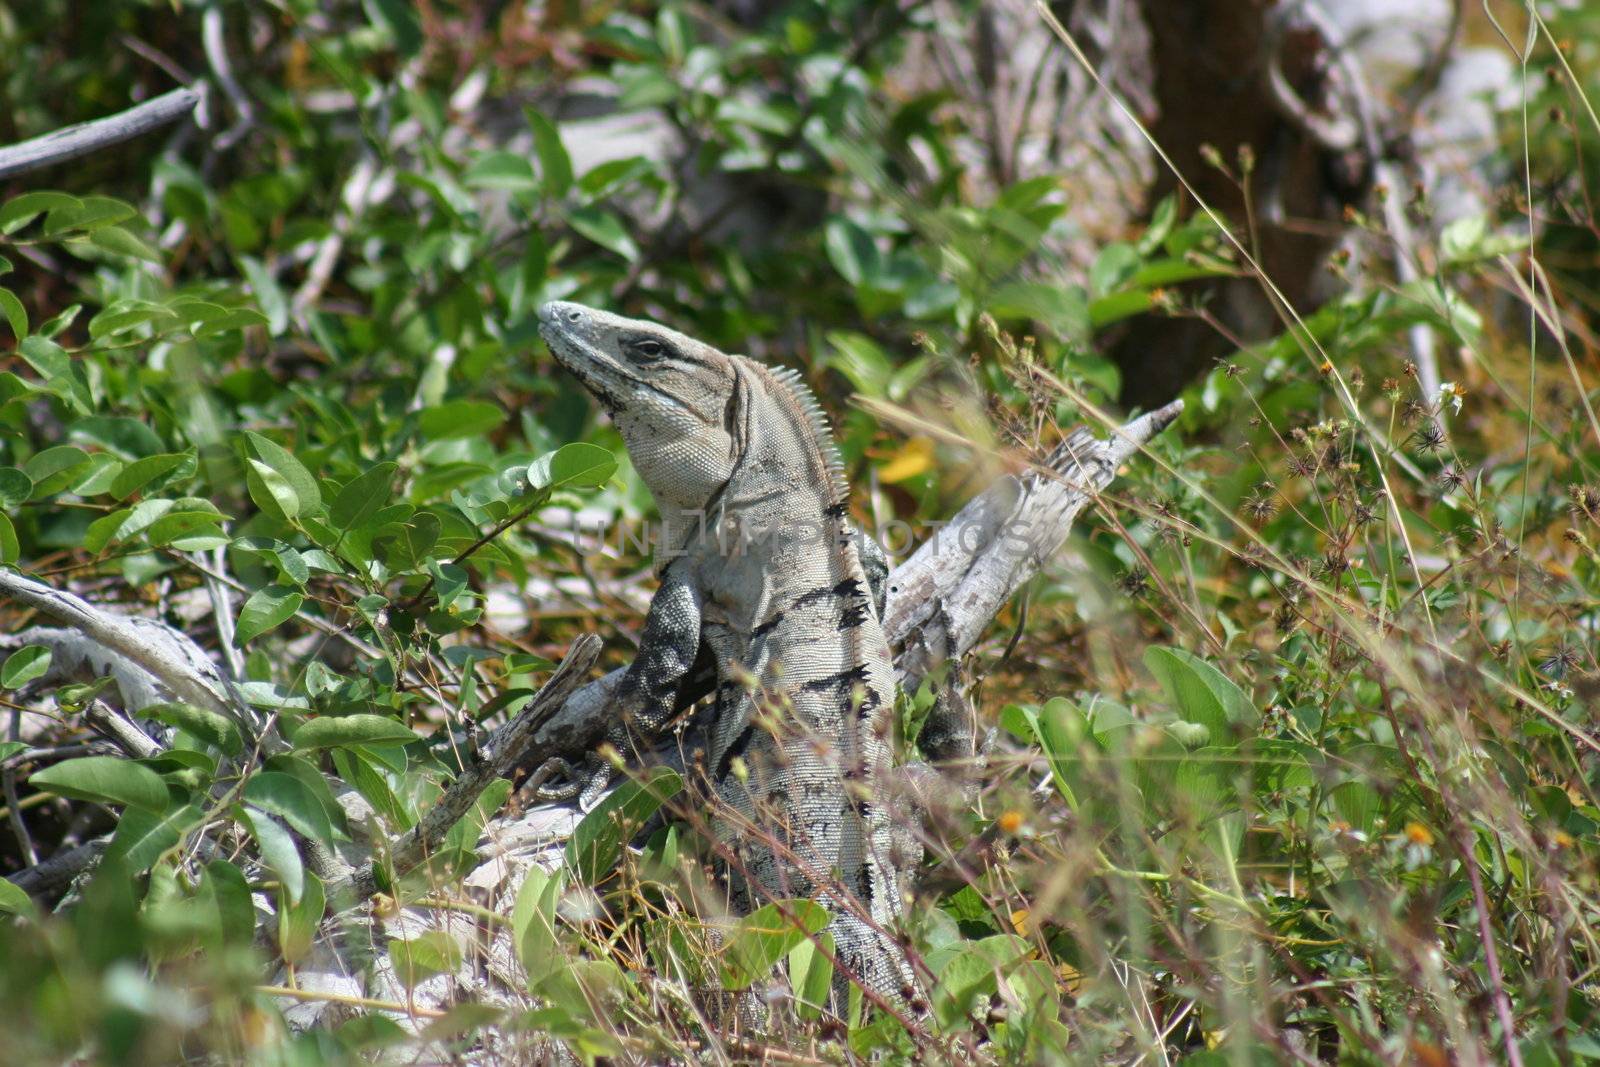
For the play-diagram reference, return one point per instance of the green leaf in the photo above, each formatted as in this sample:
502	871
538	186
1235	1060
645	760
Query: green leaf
118	240
459	418
1118	306
399	17
277	458
604	229
1063	308
1202	693
851	251
142	836
90	213
971	973
1063	734
13	901
208	726
15	487
811	974
344	730
533	923
1202	783
104	780
55	468
292	800
230	321
122	315
1114	265
501	170
24	665
128	438
102	530
363	496
269	295
278	850
46	357
464	833
15	314
424	956
554	163
271	491
267	608
10	547
226	893
1358	804
299	920
316	782
21	210
55	366
762	938
141	472
597	841
578	464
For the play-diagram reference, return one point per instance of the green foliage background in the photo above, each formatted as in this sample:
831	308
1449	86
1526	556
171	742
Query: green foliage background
1300	764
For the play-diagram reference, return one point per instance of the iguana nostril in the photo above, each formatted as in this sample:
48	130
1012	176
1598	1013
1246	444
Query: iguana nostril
574	315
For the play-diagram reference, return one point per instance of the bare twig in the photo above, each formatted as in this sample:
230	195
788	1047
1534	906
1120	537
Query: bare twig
214	42
8	779
87	137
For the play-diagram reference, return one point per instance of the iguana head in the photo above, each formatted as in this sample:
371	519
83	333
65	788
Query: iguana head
672	398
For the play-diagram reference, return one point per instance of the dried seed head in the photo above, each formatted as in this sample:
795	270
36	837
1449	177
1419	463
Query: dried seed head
1135	582
1560	663
1429	437
1262	504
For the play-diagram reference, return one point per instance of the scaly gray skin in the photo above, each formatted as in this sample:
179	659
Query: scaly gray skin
805	684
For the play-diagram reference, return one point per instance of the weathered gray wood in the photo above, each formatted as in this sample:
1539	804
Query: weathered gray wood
943	598
71	142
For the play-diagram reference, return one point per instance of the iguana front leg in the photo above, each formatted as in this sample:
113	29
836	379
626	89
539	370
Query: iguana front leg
647	695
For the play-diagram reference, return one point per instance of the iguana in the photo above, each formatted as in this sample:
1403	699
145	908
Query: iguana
760	564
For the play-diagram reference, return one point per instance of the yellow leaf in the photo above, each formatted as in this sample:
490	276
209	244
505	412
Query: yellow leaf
914	458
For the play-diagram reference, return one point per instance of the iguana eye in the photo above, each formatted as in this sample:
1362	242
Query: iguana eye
649	349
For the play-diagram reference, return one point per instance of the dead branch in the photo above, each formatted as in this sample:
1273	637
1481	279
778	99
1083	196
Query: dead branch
179	666
88	137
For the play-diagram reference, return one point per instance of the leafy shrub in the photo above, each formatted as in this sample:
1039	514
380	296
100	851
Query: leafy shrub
1298	764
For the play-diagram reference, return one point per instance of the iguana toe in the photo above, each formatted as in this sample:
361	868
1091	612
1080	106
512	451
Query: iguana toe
594	790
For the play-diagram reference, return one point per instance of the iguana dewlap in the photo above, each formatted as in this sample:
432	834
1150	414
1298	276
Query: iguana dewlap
758	559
